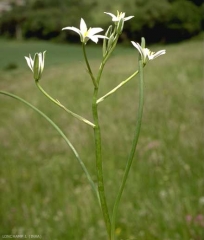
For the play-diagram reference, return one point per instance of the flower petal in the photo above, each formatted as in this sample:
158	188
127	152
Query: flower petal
73	29
127	18
137	45
159	53
40	61
112	15
43	60
121	15
93	31
29	62
83	27
147	53
100	36
94	38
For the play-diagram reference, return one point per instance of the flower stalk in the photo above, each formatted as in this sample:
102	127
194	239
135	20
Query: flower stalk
99	164
116	88
133	149
63	107
88	66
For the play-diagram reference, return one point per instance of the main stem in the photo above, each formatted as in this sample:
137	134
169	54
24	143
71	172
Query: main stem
99	166
132	152
97	135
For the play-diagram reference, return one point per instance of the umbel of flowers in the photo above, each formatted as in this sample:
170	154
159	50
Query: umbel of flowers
110	39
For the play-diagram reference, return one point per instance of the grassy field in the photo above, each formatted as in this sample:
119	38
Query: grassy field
43	189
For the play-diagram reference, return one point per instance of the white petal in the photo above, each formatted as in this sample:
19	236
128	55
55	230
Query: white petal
112	15
29	62
147	53
41	63
115	19
100	36
40	60
43	60
83	27
73	29
122	15
94	38
139	48
93	31
127	18
159	53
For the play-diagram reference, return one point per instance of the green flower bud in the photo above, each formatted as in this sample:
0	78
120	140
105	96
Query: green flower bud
107	34
36	64
120	26
110	41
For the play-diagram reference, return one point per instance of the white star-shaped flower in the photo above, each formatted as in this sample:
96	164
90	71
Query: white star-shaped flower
119	16
146	54
36	64
85	33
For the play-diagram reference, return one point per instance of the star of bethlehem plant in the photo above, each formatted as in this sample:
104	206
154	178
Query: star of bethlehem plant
110	40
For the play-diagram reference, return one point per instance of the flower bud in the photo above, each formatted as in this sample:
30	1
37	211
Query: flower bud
36	64
143	42
110	41
120	26
107	34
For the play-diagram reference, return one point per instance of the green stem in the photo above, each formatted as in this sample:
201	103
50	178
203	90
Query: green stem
88	66
105	59
63	107
117	87
111	50
132	152
97	136
99	165
62	135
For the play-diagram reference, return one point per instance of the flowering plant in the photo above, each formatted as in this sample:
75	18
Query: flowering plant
110	39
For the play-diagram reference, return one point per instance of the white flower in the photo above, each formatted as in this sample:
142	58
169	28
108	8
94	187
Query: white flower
120	16
36	64
119	20
146	54
86	34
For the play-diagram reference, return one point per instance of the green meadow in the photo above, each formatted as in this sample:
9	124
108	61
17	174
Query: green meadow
43	188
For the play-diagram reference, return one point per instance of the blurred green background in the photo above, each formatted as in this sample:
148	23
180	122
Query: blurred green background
43	189
158	21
